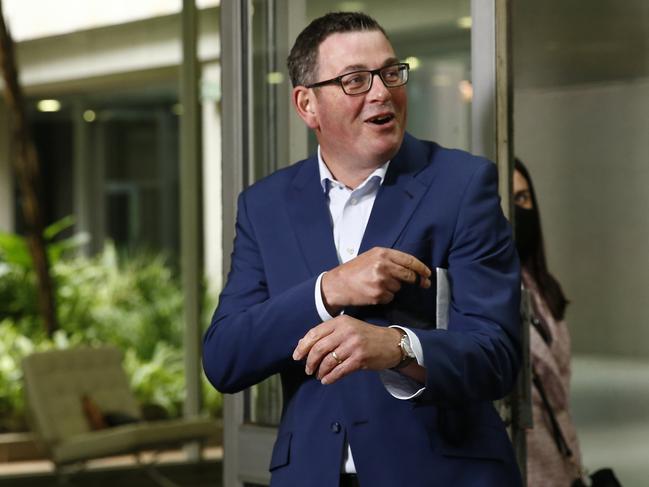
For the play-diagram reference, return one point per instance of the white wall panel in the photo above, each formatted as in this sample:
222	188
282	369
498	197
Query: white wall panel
587	148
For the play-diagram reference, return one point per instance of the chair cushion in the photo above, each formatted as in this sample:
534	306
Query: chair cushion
56	380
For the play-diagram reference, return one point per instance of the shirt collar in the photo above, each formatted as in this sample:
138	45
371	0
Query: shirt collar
325	173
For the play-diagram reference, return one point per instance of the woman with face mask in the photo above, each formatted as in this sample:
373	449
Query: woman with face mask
553	457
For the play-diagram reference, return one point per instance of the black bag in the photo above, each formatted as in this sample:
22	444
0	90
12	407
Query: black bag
604	477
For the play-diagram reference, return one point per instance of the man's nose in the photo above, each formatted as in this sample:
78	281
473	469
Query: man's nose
378	89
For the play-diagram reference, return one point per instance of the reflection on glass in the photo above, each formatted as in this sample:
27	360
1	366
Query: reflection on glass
431	36
265	402
581	125
267	80
435	39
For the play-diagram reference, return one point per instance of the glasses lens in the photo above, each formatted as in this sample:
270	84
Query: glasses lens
396	75
357	82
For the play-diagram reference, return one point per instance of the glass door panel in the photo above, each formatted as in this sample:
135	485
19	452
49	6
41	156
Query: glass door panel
269	81
434	37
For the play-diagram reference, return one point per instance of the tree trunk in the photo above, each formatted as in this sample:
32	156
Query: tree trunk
26	167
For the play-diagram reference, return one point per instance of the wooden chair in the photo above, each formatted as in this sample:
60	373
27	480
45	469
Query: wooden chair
59	382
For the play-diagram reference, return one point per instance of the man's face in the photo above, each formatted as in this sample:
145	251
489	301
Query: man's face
363	130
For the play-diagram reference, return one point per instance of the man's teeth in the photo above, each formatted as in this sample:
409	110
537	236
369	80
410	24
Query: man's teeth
381	120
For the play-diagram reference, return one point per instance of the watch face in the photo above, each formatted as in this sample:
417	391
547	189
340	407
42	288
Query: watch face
407	348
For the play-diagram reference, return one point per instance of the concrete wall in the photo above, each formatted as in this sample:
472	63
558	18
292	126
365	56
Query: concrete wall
587	148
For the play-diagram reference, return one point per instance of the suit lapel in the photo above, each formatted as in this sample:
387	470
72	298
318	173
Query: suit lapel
405	184
399	195
311	222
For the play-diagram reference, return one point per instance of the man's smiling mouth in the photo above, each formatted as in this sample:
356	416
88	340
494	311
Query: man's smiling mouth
381	119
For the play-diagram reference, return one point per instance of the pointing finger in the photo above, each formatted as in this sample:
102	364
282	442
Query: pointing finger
410	262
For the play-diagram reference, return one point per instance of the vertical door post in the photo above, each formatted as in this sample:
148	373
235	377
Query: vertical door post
492	137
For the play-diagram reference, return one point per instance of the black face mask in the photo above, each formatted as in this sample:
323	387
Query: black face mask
527	232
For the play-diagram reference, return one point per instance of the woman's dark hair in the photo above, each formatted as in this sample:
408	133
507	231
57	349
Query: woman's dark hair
536	264
302	62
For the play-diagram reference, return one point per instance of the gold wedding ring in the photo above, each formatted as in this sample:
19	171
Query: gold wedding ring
336	357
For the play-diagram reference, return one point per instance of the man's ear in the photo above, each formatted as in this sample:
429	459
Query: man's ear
306	106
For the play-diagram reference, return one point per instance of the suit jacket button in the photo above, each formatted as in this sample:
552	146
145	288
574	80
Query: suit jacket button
335	427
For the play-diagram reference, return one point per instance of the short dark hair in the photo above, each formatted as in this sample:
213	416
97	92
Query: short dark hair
302	62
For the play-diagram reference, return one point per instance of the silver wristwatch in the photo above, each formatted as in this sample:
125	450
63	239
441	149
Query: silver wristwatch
407	354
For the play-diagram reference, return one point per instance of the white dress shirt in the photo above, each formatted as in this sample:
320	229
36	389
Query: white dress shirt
350	211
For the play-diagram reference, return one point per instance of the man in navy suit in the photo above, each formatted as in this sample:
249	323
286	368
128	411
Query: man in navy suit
331	287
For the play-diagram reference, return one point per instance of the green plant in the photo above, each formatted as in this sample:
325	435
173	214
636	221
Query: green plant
13	346
135	303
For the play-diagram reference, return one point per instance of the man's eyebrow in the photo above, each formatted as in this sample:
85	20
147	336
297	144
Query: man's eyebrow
352	67
362	67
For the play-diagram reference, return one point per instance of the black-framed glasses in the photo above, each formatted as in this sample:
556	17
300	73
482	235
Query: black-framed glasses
359	82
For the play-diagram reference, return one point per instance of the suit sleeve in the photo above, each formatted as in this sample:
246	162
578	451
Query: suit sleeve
252	335
478	357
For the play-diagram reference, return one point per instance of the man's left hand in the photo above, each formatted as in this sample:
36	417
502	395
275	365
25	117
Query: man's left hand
344	344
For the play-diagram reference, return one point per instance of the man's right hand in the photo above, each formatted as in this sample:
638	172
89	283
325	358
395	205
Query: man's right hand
373	277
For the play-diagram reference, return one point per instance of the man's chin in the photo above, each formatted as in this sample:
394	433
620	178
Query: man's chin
386	149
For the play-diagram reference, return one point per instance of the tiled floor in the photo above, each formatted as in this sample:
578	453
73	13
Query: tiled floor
610	402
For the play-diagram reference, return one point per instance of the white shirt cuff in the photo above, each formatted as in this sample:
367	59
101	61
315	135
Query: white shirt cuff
401	386
414	343
319	302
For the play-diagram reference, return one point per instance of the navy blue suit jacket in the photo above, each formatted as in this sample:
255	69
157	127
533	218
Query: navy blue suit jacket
440	205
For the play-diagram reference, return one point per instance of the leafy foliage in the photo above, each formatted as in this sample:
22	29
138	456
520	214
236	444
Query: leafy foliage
14	346
134	303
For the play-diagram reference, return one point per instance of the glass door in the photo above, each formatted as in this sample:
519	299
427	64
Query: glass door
259	136
261	133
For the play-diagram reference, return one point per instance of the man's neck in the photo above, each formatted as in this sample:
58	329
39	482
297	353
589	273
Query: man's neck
351	175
